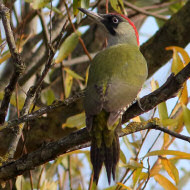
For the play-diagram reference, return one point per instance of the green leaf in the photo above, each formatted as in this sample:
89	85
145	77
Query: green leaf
85	4
76	5
177	64
38	4
117	5
162	108
68	46
77	120
48	96
73	74
122	157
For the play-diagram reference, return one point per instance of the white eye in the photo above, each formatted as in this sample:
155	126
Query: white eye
115	20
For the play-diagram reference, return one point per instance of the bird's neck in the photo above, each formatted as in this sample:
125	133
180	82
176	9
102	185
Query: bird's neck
122	39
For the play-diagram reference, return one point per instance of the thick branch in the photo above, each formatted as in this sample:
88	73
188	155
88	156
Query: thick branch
175	32
166	91
74	141
81	138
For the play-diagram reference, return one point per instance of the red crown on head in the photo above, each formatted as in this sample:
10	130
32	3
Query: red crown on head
131	23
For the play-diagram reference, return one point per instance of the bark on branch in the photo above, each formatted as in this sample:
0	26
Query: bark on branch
81	138
19	65
175	32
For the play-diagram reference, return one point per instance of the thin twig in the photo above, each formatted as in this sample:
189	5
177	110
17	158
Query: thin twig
128	177
69	171
148	174
80	39
123	177
50	23
160	5
91	181
44	27
141	10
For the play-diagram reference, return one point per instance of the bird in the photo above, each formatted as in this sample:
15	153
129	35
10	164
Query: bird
116	76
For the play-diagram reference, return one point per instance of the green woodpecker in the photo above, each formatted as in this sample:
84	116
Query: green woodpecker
116	75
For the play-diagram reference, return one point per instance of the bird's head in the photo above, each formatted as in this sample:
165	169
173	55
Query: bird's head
119	28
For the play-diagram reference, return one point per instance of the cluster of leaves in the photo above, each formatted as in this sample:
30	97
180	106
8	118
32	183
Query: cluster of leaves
67	171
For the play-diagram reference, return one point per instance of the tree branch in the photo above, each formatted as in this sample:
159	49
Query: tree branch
74	141
19	65
175	32
81	138
143	11
31	95
148	102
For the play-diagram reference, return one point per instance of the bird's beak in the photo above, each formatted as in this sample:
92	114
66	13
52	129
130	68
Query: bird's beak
95	16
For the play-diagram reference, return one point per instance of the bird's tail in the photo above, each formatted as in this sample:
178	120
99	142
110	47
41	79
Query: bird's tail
104	147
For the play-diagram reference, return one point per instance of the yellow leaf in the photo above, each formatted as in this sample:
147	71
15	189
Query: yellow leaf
162	110
133	164
136	175
122	157
186	117
166	139
87	72
180	157
77	120
164	182
169	122
5	57
184	54
155	169
167	152
154	85
137	119
73	74
68	46
177	64
19	182
122	185
184	95
143	176
68	82
171	169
